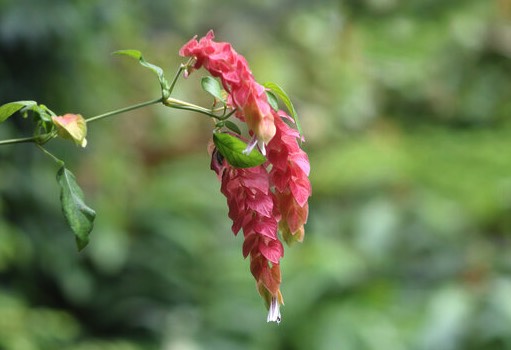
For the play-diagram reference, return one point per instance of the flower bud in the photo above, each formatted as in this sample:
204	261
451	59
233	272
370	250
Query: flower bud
72	127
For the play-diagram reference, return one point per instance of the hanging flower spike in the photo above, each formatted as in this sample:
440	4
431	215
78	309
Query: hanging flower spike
251	208
267	198
246	95
264	194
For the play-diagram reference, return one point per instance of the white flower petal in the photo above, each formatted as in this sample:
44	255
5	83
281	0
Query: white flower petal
274	312
250	146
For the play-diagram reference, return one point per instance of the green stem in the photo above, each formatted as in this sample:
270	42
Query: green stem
178	104
170	102
227	115
57	160
39	139
20	140
46	137
175	103
123	110
178	74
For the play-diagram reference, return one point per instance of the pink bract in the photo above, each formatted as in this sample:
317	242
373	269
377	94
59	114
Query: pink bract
269	198
246	95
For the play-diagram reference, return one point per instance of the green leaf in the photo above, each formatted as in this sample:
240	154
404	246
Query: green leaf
278	91
165	87
213	87
233	127
232	149
9	109
78	215
43	112
131	53
272	100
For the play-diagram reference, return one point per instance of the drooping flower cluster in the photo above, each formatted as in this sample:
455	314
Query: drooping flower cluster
245	94
267	198
252	208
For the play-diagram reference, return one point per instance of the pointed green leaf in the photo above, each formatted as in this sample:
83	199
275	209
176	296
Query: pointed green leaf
233	127
232	149
9	109
78	215
165	87
213	87
278	91
131	53
272	100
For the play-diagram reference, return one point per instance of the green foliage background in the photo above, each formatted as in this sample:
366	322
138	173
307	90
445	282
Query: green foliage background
406	109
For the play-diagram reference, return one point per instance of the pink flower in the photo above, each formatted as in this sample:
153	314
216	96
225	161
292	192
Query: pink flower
268	198
251	208
246	95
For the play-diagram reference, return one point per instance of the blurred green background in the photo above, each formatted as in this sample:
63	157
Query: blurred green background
406	108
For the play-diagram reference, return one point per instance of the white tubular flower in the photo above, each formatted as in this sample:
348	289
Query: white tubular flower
274	311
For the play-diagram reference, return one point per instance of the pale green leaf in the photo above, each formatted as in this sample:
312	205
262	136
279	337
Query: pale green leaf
232	149
213	87
278	91
165	87
131	53
233	127
272	100
9	109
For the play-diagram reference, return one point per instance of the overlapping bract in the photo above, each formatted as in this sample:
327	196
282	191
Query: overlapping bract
265	199
249	97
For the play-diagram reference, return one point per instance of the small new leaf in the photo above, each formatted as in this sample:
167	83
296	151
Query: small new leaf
233	127
278	91
165	87
78	215
131	53
213	87
272	100
9	109
43	112
232	149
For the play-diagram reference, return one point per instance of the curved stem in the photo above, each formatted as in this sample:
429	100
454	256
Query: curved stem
175	103
170	102
19	140
177	75
227	115
39	139
178	104
45	151
123	110
186	108
48	136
